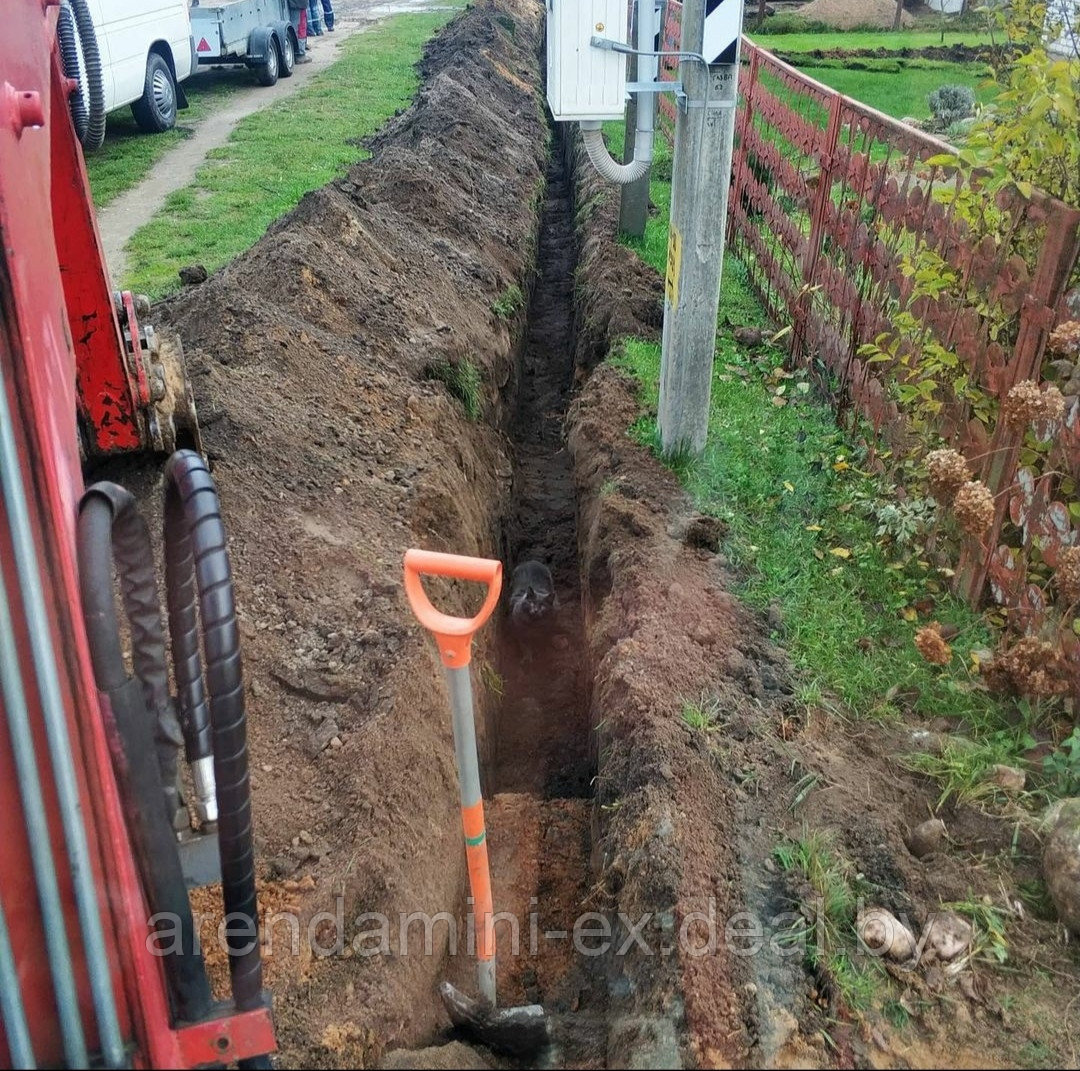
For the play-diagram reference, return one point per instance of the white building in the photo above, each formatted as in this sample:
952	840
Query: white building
1063	13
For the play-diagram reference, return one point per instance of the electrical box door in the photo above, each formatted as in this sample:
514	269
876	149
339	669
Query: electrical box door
585	82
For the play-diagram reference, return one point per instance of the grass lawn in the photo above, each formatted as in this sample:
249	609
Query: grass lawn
277	155
857	40
128	154
899	87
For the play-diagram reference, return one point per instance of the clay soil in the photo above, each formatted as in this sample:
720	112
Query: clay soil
321	364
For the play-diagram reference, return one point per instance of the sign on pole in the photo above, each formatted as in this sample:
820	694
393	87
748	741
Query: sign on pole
723	24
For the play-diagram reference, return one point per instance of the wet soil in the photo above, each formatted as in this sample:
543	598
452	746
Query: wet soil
336	446
955	53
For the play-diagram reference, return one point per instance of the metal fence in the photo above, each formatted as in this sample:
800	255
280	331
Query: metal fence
844	220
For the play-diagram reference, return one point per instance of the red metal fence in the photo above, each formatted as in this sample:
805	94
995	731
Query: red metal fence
848	227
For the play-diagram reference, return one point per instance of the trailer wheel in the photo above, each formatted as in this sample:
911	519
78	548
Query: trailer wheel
288	55
155	110
267	72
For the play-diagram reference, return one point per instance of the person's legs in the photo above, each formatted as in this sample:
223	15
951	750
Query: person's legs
328	14
315	17
296	18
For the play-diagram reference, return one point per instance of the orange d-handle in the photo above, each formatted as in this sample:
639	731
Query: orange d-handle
452	634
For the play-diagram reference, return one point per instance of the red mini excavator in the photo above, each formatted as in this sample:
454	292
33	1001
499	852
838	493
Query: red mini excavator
106	777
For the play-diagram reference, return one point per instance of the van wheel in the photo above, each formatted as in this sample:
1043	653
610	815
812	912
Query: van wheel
288	56
155	110
267	72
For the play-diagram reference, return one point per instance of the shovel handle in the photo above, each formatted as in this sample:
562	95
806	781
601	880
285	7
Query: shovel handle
452	634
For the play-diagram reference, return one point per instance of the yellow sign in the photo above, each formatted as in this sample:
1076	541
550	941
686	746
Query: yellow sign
674	267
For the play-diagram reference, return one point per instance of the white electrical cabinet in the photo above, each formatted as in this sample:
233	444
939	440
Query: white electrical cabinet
585	82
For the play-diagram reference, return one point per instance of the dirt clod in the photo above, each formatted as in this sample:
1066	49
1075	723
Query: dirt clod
926	838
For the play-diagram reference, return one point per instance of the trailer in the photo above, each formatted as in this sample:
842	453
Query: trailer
256	33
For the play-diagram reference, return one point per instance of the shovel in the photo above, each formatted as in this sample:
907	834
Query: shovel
517	1031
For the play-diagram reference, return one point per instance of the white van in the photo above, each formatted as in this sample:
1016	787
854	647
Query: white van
146	52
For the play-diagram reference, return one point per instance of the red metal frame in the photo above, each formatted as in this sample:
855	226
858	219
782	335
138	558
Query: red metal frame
58	327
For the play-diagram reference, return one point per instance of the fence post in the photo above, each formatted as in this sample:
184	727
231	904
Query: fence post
1055	263
744	119
826	155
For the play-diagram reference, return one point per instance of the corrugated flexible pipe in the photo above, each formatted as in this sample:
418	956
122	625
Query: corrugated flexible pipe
67	35
95	78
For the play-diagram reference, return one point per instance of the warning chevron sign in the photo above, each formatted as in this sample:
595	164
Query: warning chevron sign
723	24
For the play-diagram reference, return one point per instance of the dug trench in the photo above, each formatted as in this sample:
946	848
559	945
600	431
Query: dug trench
415	357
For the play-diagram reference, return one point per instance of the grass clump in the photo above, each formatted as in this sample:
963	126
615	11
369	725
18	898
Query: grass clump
463	380
962	766
814	858
990	940
508	302
278	154
703	714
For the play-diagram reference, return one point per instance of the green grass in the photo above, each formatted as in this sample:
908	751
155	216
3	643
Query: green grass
814	858
277	155
463	380
803	525
508	302
899	87
787	482
129	154
858	40
962	766
702	714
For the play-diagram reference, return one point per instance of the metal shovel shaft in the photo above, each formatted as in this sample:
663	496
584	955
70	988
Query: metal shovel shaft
472	818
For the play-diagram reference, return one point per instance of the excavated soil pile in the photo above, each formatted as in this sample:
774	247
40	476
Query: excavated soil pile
323	356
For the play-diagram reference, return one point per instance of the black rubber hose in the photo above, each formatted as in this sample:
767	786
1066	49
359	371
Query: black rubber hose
69	57
182	596
95	78
111	530
193	517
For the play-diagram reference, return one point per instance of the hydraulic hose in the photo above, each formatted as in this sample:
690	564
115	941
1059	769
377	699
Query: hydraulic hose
130	542
95	78
69	56
111	530
196	543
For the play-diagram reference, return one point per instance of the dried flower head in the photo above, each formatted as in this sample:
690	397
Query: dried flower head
948	471
1026	404
974	508
932	646
1065	339
1030	667
1067	575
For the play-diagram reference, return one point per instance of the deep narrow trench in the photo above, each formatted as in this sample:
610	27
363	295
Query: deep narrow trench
539	786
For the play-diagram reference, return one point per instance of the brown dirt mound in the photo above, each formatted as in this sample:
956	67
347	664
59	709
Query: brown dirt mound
847	14
337	448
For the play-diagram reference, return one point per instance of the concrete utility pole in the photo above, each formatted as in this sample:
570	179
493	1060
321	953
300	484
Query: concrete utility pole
701	179
634	197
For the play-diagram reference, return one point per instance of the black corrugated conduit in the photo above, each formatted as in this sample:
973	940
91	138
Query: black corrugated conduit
196	546
69	55
95	78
